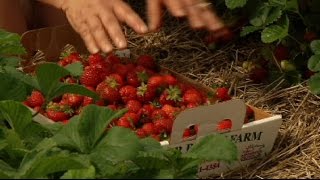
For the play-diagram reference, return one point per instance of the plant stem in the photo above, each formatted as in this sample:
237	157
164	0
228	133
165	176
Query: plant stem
300	43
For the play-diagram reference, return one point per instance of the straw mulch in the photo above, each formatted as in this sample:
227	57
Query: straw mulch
296	153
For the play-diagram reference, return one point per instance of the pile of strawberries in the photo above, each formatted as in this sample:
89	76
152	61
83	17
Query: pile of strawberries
152	97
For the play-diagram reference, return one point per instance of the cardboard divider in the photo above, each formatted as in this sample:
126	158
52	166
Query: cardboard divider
207	117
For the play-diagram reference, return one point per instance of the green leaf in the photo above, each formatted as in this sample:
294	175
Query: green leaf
214	148
10	43
48	76
292	5
165	174
76	69
6	172
277	2
93	122
275	32
89	173
315	46
9	61
314	63
69	137
11	89
265	15
314	84
120	144
232	4
62	88
27	79
150	145
248	30
120	170
152	160
17	115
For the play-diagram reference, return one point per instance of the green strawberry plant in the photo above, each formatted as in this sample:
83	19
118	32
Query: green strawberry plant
314	66
85	147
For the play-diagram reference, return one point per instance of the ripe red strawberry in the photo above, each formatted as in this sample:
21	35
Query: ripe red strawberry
156	81
115	80
158	114
170	80
39	109
249	112
281	52
149	129
70	80
135	78
73	100
222	94
90	77
140	133
171	95
186	133
258	75
183	87
146	61
170	110
134	106
120	69
113	59
192	105
58	114
124	122
35	99
310	36
163	125
145	94
156	137
132	117
110	94
69	58
130	67
87	100
65	121
146	111
112	107
128	93
192	96
94	59
225	124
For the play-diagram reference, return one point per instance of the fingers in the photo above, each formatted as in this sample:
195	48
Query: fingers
81	28
154	11
194	14
131	18
213	22
175	8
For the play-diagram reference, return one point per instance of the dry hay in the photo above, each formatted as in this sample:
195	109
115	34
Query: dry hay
296	151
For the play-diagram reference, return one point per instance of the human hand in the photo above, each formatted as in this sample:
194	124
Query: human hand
98	22
198	12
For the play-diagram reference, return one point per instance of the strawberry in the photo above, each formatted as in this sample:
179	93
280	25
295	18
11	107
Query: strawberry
112	107
192	96
308	74
115	80
140	133
134	106
149	128
170	110
65	121
135	78
310	36
128	93
156	137
94	59
170	80
183	87
70	80
90	77
258	75
171	95
222	94
73	100
132	117
57	112
146	111
145	93
39	109
225	124
281	52
192	105
113	59
120	69
156	81
130	67
124	122
87	100
146	61
110	94
186	133
158	114
163	125
35	99
69	58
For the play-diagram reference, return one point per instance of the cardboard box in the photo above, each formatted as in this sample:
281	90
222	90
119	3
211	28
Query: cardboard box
254	140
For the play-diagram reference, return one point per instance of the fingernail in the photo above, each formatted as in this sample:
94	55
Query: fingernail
107	48
121	44
143	28
94	50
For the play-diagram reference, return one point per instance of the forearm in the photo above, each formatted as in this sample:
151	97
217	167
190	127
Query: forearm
55	3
